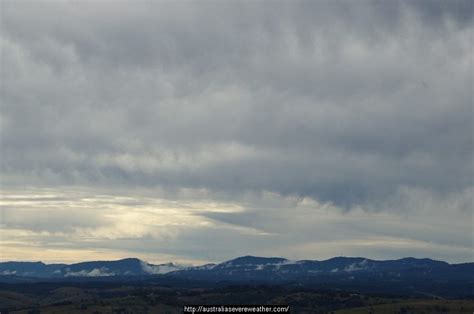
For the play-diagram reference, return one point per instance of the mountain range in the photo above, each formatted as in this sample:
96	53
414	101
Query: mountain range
246	268
406	276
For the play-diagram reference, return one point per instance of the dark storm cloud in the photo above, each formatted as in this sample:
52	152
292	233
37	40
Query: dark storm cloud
343	102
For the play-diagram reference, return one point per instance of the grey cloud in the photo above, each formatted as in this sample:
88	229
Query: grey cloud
436	12
344	103
423	220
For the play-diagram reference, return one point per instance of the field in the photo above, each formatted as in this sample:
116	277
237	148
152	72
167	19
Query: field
148	298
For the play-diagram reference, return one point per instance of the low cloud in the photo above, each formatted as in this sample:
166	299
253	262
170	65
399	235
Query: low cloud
96	272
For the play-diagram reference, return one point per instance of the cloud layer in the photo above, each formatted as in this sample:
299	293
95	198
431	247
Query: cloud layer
364	108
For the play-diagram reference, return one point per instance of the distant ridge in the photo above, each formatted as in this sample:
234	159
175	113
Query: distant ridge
406	276
240	268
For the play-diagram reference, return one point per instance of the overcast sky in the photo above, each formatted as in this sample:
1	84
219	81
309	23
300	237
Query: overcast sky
200	131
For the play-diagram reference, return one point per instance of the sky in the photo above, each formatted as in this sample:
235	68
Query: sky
199	131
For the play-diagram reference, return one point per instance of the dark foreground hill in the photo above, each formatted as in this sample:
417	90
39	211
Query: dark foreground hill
142	297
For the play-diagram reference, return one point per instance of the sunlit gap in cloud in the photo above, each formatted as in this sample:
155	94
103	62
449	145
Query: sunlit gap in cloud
191	226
